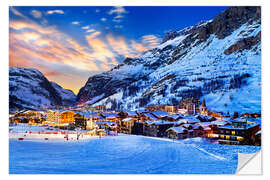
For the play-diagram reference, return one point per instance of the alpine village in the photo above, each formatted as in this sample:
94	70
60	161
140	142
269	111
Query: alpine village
188	120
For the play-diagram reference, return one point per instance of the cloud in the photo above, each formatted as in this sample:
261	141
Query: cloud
55	12
93	35
151	40
90	30
17	13
65	60
118	26
75	22
101	52
103	19
118	11
36	13
138	46
85	27
119	45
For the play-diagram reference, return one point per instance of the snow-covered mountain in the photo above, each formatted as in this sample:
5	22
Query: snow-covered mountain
67	96
29	89
219	60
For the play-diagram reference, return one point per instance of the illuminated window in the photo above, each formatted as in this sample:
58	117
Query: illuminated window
227	137
233	132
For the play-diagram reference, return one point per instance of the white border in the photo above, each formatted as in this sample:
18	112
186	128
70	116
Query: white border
133	3
4	75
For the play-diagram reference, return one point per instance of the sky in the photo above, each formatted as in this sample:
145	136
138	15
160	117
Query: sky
70	44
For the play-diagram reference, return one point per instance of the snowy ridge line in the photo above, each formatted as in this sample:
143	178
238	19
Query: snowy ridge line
213	155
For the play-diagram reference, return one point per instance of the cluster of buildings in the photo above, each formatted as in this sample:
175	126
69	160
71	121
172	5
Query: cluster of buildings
188	120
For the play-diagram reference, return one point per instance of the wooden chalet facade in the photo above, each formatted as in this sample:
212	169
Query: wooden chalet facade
157	128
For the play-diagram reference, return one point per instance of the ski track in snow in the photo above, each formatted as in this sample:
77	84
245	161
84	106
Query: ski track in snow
124	154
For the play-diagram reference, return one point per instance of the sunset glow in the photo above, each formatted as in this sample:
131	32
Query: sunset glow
69	44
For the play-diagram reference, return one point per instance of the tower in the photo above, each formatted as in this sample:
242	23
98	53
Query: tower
203	108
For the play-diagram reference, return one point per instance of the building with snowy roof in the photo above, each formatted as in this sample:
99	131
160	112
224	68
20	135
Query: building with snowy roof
157	128
239	132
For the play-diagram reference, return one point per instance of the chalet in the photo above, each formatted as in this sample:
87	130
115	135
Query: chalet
132	114
32	114
34	120
207	128
157	128
127	125
85	120
157	107
80	120
177	132
162	115
182	111
110	116
185	131
106	124
148	116
216	124
66	117
216	115
60	117
189	120
170	109
159	114
53	116
239	132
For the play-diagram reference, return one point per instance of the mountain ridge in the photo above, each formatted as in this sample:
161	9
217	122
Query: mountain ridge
223	49
30	89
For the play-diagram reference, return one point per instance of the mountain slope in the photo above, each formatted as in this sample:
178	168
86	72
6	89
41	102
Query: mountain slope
29	89
219	60
67	96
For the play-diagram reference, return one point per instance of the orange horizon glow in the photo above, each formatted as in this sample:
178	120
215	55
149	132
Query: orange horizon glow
62	58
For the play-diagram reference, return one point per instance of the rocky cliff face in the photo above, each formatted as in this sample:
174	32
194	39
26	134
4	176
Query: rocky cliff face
29	89
219	60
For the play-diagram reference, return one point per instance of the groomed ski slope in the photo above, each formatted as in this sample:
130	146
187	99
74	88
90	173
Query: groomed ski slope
124	154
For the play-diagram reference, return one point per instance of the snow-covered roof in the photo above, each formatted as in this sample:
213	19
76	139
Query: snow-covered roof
205	123
206	128
248	125
127	119
160	122
131	113
178	129
174	116
196	126
190	120
149	115
160	113
142	110
110	115
219	122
